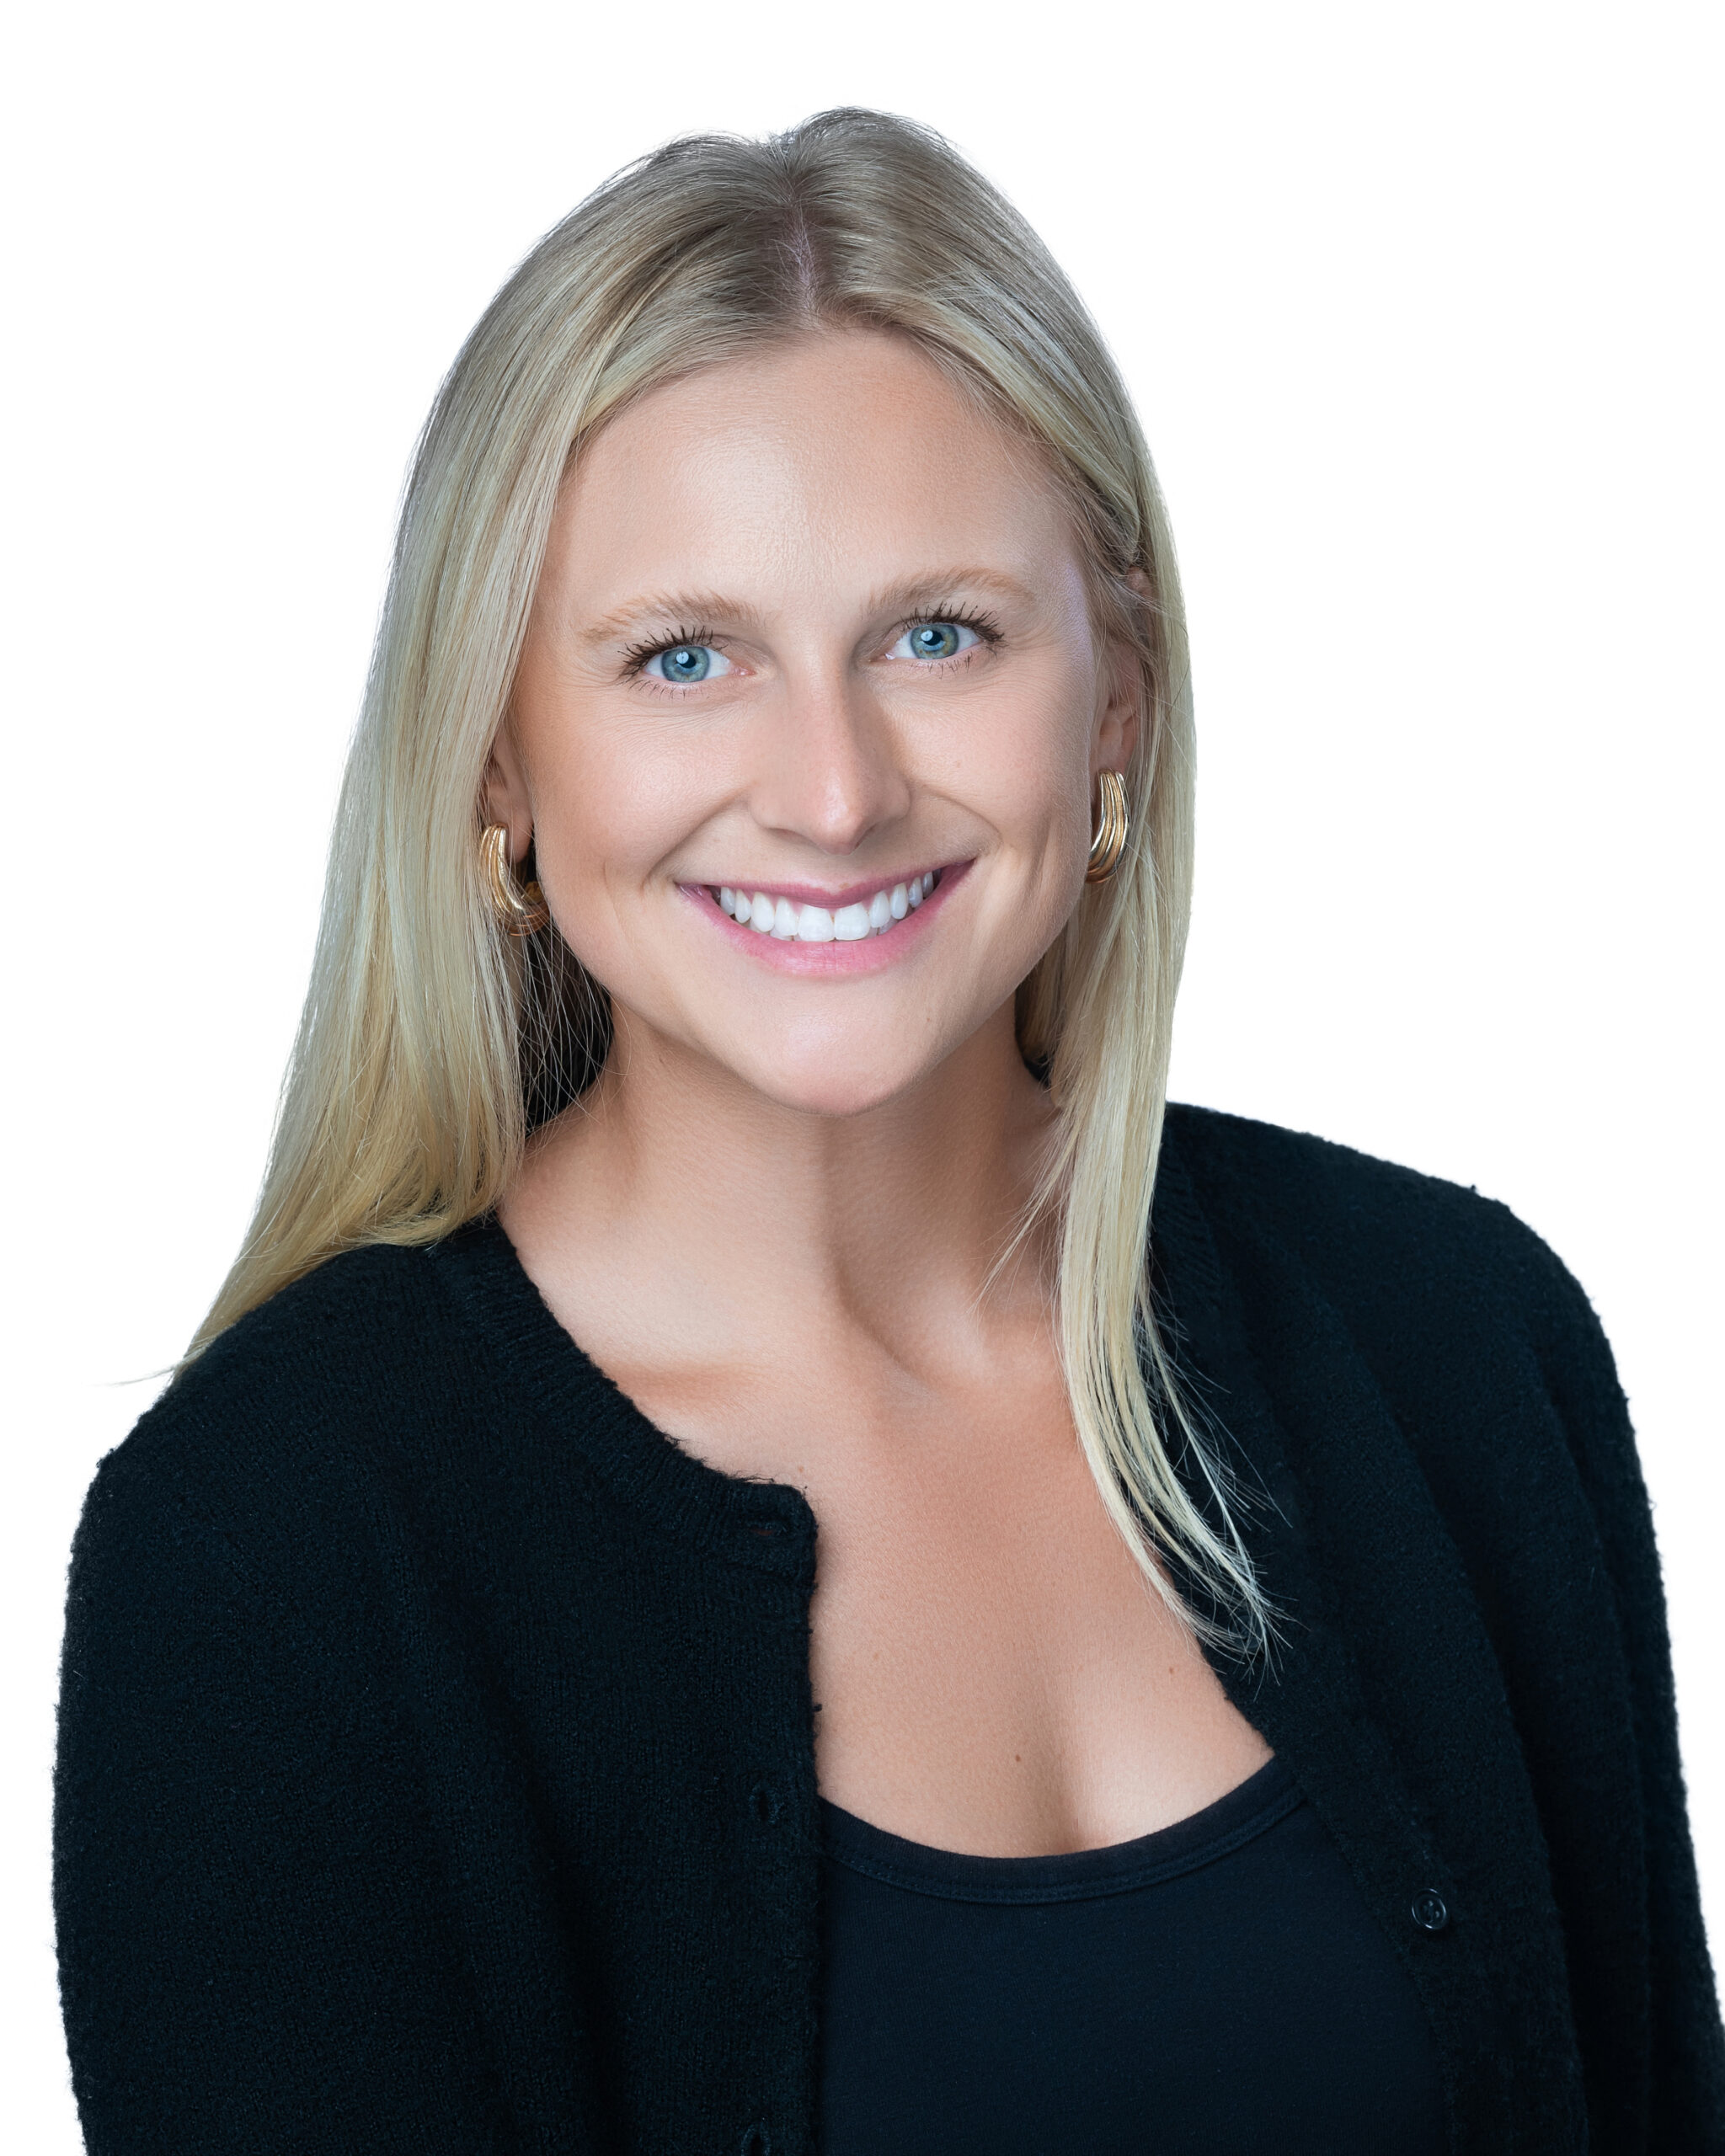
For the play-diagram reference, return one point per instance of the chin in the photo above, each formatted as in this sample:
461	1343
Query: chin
838	1079
836	1093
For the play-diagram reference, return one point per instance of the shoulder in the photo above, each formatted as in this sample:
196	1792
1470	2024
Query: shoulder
1305	1183
245	1592
287	1421
1364	1299
323	1353
1382	1238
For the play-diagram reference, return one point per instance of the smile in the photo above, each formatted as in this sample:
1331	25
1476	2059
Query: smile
789	920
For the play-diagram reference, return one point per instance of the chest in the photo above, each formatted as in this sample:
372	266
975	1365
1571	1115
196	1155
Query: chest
993	1670
657	1631
1222	1976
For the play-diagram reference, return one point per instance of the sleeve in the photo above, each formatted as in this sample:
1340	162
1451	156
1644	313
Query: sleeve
1687	2083
255	1952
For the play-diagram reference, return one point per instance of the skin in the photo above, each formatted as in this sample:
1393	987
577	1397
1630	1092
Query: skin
774	1220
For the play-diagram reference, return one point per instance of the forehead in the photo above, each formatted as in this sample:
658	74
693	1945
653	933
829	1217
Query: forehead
840	454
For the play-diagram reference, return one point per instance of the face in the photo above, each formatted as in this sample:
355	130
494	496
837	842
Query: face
806	731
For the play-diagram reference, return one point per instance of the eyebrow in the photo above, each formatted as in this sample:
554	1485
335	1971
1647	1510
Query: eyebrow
665	607
929	590
926	590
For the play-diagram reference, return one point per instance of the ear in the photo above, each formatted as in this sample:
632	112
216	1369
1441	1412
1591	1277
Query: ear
505	796
1120	711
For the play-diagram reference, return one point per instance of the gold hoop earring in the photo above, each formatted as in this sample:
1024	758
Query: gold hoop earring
1113	823
522	911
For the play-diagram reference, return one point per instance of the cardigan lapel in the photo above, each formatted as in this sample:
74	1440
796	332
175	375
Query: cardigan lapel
1385	1699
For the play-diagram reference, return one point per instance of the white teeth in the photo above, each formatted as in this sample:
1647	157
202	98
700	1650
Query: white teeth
787	921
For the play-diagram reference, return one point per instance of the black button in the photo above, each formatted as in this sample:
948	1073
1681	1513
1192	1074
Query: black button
764	1805
757	2140
1430	1910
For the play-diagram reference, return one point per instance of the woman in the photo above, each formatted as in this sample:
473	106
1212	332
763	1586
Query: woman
758	1554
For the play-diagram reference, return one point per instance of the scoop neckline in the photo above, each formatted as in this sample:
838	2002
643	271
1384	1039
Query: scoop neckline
760	1526
1246	1810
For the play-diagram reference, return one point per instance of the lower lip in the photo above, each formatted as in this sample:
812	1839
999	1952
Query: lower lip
869	954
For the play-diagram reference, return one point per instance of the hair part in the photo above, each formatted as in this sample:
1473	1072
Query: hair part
431	1043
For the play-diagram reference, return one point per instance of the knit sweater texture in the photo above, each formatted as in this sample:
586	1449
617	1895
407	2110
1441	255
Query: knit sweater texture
436	1767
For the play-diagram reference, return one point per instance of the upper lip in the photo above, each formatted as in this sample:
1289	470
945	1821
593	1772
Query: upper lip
813	894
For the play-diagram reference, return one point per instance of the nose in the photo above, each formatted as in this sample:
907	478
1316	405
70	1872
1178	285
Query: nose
832	770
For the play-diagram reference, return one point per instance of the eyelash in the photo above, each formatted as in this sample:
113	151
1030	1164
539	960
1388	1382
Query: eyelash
987	628
636	657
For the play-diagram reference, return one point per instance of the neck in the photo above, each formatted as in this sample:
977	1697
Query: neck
759	1223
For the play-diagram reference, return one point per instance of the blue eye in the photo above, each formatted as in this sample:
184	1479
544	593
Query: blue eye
688	662
935	640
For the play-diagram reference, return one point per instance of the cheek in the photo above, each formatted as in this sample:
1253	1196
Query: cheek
606	812
1026	772
1036	783
608	805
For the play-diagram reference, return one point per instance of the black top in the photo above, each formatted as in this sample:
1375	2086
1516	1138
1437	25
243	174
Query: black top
1218	1988
437	1766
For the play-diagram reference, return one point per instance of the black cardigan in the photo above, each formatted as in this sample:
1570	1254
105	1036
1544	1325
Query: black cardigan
436	1770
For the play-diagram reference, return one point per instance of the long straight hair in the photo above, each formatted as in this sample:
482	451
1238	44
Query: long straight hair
430	1043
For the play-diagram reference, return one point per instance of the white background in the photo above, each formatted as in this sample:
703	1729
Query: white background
1420	303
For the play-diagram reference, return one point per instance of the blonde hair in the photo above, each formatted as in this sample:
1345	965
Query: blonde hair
429	1042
